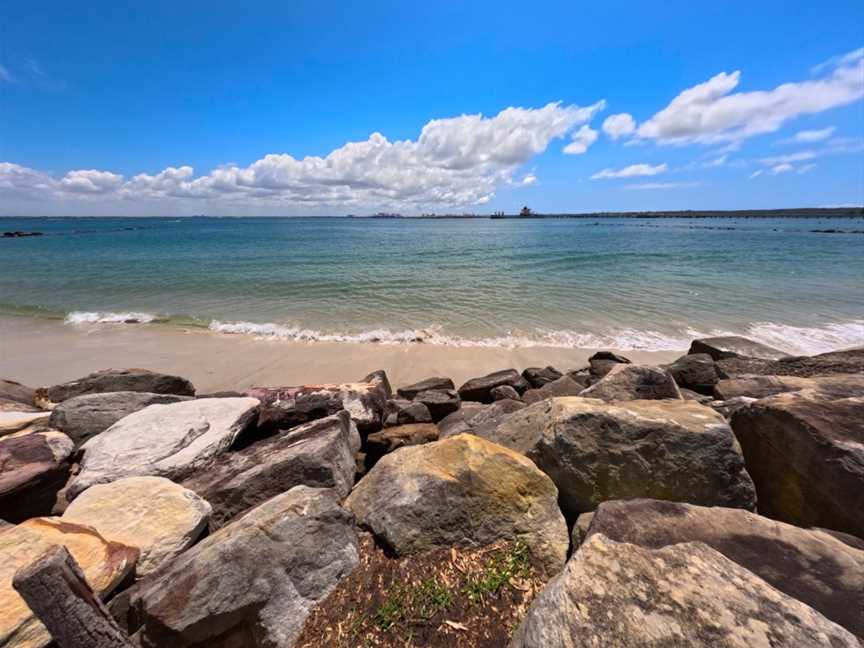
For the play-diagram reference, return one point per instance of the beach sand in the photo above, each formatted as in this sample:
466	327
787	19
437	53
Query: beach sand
45	352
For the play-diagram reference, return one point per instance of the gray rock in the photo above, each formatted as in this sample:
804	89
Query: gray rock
476	418
634	382
480	389
580	530
850	361
539	376
759	386
689	394
728	407
596	451
15	391
405	412
564	386
439	402
410	391
504	392
254	581
460	492
83	417
319	454
806	564
164	441
114	380
695	371
734	346
389	439
687	595
602	362
380	379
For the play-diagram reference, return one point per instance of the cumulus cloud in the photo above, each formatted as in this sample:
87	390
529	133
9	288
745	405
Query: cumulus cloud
91	181
528	180
632	171
809	136
617	126
710	112
582	139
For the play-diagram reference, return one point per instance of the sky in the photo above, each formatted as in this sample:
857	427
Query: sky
333	108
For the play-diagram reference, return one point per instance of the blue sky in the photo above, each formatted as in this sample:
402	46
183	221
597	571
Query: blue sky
334	108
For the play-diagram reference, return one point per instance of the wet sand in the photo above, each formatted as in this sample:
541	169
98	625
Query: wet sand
45	352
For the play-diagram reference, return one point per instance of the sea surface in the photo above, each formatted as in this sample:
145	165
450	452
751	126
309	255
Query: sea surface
626	283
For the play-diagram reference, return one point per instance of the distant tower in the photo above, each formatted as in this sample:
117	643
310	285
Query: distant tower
525	212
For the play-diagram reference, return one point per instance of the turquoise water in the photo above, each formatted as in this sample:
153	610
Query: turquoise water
623	282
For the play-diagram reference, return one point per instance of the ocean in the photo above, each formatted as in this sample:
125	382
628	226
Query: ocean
623	283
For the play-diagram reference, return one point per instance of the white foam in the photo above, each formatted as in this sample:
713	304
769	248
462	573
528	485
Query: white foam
88	317
808	340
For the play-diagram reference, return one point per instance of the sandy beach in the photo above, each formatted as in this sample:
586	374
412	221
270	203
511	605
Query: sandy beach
43	352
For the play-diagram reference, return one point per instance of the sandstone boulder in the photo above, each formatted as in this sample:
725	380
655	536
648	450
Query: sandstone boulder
15	416
806	456
410	391
728	407
849	361
476	418
460	492
439	402
806	564
480	389
253	582
15	391
687	595
164	441
634	382
319	454
564	386
760	386
105	564
153	514
539	376
379	379
83	417
602	362
596	451
389	439
33	468
695	371
114	380
404	412
734	346
505	392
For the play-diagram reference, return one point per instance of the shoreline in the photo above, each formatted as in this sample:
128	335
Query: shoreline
42	352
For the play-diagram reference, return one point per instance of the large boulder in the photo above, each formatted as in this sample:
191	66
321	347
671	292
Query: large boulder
439	402
253	582
15	391
734	346
399	411
153	514
505	392
806	564
686	595
759	386
389	439
33	468
695	371
83	417
114	380
460	492
849	361
596	451
15	416
476	418
105	564
563	386
379	379
164	440
283	408
539	376
318	454
634	382
602	362
410	391
480	389
806	456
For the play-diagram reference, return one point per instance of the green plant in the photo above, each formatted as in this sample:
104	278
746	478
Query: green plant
501	569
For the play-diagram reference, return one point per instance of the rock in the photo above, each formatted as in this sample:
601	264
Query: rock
163	441
33	468
153	514
564	386
580	530
405	412
734	346
504	392
410	391
460	492
728	407
319	454
480	389
105	565
439	402
539	376
380	443
380	379
581	376
15	417
476	418
634	382
850	361
114	380
596	451
845	538
806	564
806	456
602	362
757	386
689	394
16	392
695	371
687	595
283	408
252	583
83	417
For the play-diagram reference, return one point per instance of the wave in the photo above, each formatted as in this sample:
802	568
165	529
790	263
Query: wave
90	317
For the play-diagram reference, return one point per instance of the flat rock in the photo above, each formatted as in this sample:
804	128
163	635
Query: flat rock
687	595
695	371
806	564
15	391
849	361
153	514
33	468
734	346
480	389
83	417
318	454
759	386
806	456
504	392
410	391
460	492
539	376
404	412
476	418
563	386
389	439
113	380
15	416
164	441
439	402
596	451
105	564
634	382
252	582
285	407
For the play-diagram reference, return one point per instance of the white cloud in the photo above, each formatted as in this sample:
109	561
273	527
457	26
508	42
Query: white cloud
6	75
780	168
756	174
528	180
709	112
716	162
617	126
91	181
809	136
662	185
837	61
807	168
800	156
632	171
582	139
